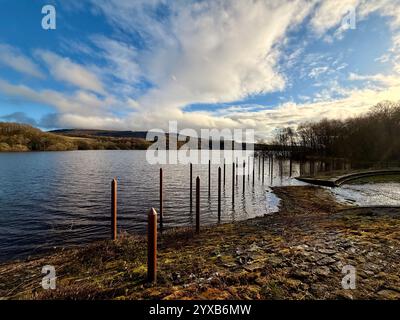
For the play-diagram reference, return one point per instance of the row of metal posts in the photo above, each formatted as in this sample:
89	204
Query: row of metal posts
152	215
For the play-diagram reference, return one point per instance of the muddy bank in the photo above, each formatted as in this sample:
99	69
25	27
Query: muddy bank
297	253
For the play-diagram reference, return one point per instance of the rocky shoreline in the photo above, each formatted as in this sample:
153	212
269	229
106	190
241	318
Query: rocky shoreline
298	253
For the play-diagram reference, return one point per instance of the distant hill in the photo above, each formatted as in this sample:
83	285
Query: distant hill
22	137
101	133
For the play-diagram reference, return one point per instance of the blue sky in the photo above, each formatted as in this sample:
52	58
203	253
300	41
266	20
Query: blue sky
135	65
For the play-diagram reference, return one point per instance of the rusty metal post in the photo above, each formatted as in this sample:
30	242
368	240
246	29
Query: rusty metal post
161	199
244	176
254	164
263	165
224	171
291	166
248	168
114	186
269	164
198	205
272	166
209	177
152	246
191	186
219	193
237	171
233	183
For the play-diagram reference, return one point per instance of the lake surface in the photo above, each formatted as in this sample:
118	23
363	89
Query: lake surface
51	199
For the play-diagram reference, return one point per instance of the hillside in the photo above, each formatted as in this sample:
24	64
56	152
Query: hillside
101	133
22	137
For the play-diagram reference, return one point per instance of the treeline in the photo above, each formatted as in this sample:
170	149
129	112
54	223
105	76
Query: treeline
374	136
21	137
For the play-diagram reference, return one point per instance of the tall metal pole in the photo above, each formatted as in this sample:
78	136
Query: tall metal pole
254	164
224	172
219	193
198	205
191	186
114	186
152	246
209	177
161	199
244	176
233	183
248	168
263	165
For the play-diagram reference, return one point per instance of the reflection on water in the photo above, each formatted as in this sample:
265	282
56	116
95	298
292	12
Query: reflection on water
63	198
377	194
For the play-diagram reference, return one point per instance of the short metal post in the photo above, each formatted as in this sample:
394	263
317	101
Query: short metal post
248	168
233	183
254	164
209	177
198	205
237	171
161	199
244	176
191	186
263	165
224	171
114	186
152	246
272	166
219	193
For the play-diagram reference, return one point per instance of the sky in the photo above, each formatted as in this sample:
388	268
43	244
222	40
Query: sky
137	64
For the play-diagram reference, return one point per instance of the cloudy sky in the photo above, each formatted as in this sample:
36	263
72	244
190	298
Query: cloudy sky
135	64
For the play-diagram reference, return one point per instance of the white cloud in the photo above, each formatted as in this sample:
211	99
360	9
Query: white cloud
384	80
388	8
204	52
64	69
316	72
122	69
210	51
79	102
329	14
14	59
353	103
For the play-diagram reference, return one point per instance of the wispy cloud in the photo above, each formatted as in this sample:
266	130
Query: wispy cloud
63	69
13	58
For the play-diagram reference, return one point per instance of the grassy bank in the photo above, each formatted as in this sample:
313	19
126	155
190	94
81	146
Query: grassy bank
297	253
16	137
